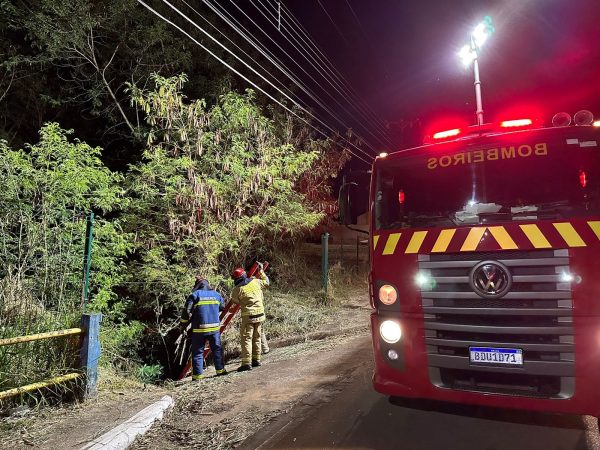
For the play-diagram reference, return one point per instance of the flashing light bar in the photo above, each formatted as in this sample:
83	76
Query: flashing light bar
447	133
516	123
582	179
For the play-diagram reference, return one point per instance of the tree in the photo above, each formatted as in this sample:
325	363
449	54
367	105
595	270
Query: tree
216	188
76	57
48	190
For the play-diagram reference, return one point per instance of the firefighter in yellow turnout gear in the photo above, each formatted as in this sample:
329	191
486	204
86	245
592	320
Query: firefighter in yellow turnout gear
248	293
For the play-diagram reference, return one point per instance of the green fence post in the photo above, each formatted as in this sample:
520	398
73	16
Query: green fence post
325	262
90	352
87	260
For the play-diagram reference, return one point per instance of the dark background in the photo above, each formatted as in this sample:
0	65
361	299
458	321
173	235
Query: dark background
401	57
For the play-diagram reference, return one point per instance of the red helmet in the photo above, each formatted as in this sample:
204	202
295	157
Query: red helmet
238	273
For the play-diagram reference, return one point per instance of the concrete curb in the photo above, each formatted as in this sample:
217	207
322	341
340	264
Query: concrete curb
122	436
300	338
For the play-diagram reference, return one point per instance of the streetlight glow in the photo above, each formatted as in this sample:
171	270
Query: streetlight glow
469	54
480	35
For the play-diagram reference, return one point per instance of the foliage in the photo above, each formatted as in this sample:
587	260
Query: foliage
71	59
48	190
149	374
216	189
222	180
219	186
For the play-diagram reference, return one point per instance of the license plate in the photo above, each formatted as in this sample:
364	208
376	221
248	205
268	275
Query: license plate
486	355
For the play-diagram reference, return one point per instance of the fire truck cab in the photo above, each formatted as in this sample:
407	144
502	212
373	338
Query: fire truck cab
485	268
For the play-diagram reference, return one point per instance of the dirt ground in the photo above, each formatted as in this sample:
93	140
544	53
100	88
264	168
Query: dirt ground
71	426
221	412
218	412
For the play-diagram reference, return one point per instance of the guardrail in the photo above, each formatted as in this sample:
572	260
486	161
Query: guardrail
89	354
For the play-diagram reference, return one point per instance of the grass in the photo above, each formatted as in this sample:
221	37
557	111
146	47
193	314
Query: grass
300	309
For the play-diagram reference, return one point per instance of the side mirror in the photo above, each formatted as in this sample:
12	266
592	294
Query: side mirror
345	205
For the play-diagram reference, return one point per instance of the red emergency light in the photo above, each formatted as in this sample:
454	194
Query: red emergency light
582	179
456	133
446	134
516	123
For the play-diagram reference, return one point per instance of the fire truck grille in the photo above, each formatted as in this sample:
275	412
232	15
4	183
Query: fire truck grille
535	316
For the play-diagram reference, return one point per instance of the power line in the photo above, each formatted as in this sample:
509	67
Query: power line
339	32
271	57
256	73
337	81
358	22
336	88
328	63
231	42
332	69
247	79
297	63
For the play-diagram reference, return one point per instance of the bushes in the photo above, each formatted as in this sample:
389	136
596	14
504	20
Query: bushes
48	189
218	186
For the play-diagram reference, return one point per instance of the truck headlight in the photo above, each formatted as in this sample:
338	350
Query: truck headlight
390	331
388	294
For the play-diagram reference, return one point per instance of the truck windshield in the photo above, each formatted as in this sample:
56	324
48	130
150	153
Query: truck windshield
535	177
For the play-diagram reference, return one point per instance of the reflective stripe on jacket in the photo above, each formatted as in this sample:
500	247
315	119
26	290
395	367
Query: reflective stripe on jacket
202	308
250	297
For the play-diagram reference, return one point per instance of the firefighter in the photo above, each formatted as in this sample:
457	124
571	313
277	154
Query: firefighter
247	293
202	308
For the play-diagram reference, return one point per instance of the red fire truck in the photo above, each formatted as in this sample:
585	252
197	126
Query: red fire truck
485	277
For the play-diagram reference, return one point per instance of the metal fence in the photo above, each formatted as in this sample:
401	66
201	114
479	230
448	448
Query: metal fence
89	354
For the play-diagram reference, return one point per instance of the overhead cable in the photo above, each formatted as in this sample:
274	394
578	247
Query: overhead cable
257	73
249	37
304	70
308	40
255	85
334	81
333	69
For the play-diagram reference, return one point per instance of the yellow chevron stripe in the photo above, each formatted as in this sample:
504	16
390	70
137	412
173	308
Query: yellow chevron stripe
473	239
595	226
443	241
503	238
535	236
390	245
375	241
569	234
416	241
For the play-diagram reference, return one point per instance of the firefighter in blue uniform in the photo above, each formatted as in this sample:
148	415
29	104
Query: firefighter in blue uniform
202	308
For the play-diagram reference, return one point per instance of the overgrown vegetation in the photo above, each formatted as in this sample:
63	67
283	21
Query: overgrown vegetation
184	177
48	189
218	186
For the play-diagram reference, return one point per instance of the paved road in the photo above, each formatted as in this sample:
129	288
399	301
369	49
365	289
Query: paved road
356	417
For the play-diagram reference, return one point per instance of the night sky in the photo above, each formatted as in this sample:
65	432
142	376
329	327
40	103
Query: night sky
400	55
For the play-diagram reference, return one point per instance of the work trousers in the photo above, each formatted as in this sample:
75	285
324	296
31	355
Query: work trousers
250	332
198	343
264	344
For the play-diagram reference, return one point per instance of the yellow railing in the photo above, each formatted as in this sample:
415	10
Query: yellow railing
36	386
40	336
89	354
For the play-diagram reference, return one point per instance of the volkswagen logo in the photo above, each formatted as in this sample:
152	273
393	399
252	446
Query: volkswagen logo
490	279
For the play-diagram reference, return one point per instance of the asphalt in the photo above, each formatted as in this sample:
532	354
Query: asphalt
356	417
